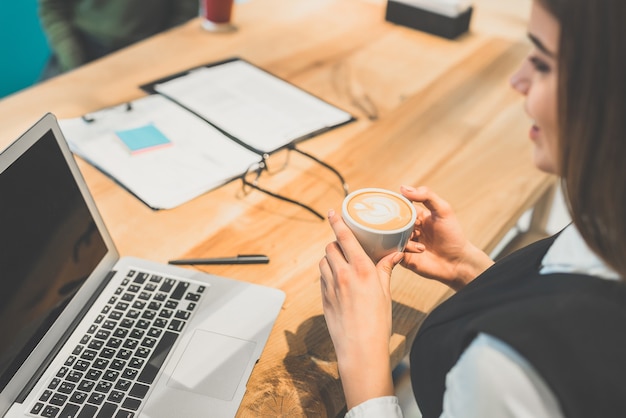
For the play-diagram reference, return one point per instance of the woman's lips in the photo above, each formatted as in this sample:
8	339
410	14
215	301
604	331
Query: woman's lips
534	132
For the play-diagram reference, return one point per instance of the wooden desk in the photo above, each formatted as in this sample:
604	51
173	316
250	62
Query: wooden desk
430	111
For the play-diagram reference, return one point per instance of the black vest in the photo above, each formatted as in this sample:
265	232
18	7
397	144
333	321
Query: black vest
571	328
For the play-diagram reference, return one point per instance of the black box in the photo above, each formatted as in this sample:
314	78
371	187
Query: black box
427	21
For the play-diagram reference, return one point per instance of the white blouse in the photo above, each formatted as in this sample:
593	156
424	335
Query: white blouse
490	367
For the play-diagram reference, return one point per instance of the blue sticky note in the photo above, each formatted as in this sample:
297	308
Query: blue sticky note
143	138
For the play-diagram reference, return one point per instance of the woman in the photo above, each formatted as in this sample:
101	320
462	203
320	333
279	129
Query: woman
542	332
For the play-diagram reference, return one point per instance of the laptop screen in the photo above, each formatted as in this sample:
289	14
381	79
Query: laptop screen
49	244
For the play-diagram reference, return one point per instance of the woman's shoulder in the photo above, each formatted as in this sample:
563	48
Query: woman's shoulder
492	379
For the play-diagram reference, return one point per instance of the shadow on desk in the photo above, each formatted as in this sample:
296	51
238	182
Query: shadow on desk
309	384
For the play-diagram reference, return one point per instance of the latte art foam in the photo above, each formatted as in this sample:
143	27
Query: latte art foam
379	211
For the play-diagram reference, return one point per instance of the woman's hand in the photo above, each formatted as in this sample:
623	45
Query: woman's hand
438	248
357	306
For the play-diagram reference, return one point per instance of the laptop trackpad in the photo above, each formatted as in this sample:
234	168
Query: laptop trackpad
212	365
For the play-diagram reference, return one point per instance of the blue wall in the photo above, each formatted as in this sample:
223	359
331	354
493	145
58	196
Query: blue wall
23	46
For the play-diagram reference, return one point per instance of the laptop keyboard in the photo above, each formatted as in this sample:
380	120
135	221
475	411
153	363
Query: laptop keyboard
110	371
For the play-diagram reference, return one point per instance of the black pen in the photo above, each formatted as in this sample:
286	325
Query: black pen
240	259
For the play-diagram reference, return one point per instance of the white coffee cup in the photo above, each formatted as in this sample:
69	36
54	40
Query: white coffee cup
381	220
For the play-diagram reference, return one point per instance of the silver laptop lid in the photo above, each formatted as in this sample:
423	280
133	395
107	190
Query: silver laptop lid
55	252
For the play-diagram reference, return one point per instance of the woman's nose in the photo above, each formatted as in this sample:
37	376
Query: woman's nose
520	80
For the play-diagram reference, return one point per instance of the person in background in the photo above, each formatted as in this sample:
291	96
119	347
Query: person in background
80	31
542	332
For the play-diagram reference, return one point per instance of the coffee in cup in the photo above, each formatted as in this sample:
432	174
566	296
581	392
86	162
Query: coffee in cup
381	220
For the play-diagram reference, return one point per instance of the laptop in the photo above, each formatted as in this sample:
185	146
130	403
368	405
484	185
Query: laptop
85	333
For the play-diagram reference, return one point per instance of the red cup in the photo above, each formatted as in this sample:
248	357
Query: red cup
216	11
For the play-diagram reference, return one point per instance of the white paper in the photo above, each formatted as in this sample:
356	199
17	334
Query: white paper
254	106
199	158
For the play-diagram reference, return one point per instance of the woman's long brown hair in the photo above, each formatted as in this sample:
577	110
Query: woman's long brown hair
592	121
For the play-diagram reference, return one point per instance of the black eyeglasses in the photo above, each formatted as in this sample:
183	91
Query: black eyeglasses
255	171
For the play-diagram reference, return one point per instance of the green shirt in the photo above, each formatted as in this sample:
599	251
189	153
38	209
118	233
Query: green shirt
112	23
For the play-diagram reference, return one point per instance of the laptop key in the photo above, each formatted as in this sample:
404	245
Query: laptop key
124	414
102	334
86	385
81	365
180	314
88	411
93	374
136	363
69	411
107	411
129	373
139	390
134	288
109	324
137	334
180	290
74	376
118	364
111	375
115	396
78	397
107	352
142	352
58	399
144	296
96	398
160	297
104	386
143	324
54	383
160	322
100	364
128	297
141	277
122	384
120	333
96	344
176	325
66	387
139	304
37	408
167	285
116	315
45	395
50	411
157	359
194	297
154	332
131	403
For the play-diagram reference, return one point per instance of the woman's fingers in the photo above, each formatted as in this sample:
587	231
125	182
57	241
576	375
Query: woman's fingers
346	240
415	247
435	204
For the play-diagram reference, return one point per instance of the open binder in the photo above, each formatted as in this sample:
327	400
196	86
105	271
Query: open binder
198	130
